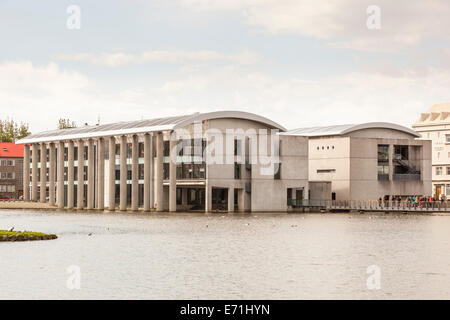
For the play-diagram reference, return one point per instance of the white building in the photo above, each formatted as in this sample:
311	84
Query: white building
434	125
214	168
368	161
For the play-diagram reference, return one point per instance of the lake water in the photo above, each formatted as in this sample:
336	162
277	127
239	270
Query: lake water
222	256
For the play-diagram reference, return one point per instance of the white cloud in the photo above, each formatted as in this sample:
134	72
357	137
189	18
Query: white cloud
342	23
161	56
296	102
42	94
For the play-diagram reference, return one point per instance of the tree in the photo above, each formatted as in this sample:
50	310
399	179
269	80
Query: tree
11	130
66	124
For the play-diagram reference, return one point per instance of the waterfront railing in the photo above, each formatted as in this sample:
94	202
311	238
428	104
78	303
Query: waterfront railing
368	205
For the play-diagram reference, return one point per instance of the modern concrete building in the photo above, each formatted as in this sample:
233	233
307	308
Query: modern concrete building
368	161
11	170
434	125
228	160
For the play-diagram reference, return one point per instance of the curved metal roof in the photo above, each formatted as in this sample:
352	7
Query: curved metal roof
340	130
142	126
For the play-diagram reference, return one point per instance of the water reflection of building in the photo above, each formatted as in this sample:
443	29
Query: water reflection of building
369	161
434	125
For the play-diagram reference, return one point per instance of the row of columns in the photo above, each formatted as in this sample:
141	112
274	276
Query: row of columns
149	176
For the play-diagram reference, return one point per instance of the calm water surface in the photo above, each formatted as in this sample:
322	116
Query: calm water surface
221	256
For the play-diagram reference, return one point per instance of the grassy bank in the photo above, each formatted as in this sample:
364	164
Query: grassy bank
24	236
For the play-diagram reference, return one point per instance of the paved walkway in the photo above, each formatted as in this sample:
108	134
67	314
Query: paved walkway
19	204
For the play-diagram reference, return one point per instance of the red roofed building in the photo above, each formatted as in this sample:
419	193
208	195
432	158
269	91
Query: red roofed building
11	170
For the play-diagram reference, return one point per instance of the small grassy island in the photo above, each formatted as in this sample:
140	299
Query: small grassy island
24	236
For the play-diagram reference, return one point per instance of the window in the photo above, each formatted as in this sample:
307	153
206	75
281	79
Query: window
448	170
179	196
383	162
141	172
447	138
277	171
237	170
401	152
7	175
6	163
166	150
129	172
141	150
7	188
166	169
438	171
326	170
237	147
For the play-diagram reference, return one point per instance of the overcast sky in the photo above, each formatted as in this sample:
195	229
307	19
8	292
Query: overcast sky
299	62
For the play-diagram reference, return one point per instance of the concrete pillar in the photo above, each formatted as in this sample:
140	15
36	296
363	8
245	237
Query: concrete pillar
34	179
101	174
208	197
391	162
148	157
61	175
134	173
43	193
159	172
70	175
241	200
91	177
123	173
112	173
80	173
172	175
230	199
26	172
152	171
51	175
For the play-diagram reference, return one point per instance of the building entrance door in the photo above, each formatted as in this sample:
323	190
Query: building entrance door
438	191
219	199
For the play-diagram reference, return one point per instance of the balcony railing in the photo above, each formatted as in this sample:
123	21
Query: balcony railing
299	203
406	177
383	176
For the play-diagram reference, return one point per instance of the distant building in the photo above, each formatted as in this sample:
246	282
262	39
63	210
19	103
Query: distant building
11	170
434	125
369	161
